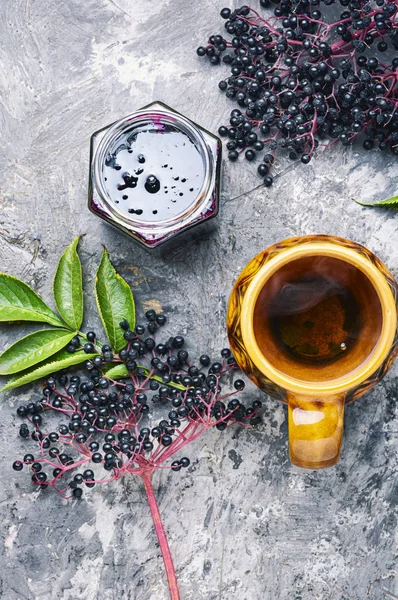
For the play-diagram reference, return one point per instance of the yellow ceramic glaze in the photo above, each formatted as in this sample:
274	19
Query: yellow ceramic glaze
316	407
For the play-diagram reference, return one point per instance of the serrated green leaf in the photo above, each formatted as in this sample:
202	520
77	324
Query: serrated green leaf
388	203
117	372
68	287
121	372
18	302
115	302
59	361
33	349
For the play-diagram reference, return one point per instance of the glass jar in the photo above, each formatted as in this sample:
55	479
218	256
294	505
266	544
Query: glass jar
154	175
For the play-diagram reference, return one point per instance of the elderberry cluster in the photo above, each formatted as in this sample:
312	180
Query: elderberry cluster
300	80
88	422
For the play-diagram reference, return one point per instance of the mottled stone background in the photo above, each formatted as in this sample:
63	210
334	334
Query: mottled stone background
243	523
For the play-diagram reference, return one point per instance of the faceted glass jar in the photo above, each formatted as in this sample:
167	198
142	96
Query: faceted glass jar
154	175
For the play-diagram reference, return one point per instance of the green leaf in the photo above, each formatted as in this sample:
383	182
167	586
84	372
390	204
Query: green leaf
59	361
115	302
388	203
32	349
68	287
117	372
121	372
18	302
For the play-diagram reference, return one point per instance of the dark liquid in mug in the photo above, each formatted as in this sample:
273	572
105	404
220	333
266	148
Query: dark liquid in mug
317	318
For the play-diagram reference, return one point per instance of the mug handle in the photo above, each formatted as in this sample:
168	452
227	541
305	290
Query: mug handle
315	430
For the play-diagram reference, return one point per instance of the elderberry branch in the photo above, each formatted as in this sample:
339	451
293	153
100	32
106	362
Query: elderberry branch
299	79
92	429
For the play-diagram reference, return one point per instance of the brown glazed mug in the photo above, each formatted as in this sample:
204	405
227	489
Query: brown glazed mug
313	321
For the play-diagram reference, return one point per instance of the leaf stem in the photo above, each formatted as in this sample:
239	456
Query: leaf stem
160	532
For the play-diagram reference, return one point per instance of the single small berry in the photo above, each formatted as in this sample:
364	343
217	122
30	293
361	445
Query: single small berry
239	384
152	327
150	315
225	13
204	360
160	319
268	181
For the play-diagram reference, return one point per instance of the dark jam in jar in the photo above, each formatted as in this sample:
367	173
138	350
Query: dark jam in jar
153	172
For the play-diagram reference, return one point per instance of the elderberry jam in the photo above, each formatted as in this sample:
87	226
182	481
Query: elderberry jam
155	171
154	174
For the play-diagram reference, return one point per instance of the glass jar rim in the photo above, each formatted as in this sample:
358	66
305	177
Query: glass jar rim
162	115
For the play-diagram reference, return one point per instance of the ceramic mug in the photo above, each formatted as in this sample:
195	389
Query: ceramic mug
313	321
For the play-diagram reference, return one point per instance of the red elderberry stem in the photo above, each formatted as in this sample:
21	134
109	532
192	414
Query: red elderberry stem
163	543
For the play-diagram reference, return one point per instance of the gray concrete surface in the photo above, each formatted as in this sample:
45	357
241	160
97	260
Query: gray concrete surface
243	524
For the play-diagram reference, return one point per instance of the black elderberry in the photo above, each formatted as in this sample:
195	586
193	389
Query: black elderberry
166	439
152	327
88	348
204	360
24	431
225	13
161	319
150	315
182	356
239	384
262	169
21	411
250	155
183	411
221	426
88	474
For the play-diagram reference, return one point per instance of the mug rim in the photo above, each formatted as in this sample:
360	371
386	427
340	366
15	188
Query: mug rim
332	247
